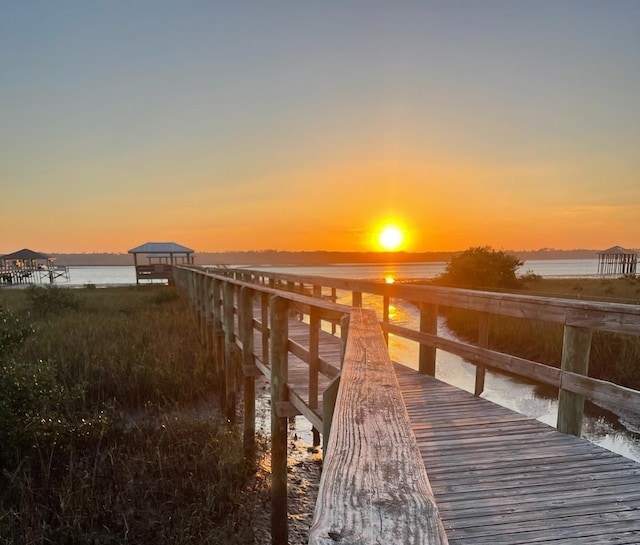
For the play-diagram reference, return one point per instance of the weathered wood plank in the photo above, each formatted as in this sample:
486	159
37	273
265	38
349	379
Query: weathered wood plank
517	481
374	487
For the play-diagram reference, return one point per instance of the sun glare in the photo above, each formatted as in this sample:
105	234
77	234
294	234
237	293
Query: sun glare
391	237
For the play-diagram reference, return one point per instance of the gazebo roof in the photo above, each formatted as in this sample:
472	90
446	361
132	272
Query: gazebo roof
24	255
617	250
166	248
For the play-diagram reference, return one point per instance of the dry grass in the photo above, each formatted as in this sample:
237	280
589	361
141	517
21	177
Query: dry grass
108	433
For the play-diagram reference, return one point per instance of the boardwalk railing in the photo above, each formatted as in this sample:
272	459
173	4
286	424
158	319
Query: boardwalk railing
579	318
246	328
240	308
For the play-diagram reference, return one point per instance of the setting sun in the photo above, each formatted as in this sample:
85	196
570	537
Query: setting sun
391	237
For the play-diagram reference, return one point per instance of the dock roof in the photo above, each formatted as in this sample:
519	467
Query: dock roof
24	255
161	248
617	250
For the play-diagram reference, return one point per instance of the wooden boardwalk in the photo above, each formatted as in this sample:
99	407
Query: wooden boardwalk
503	478
500	477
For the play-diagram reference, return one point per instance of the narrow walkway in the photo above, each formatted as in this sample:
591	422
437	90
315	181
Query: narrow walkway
503	478
499	477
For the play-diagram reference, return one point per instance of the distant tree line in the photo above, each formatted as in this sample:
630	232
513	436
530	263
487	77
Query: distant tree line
276	257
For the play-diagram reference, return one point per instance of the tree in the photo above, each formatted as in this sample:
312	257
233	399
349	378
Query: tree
481	267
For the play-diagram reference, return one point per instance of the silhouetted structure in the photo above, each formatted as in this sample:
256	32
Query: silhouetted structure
162	256
617	261
27	266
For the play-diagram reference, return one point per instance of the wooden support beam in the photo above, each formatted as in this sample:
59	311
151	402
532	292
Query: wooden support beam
249	381
279	319
229	356
428	324
483	342
576	347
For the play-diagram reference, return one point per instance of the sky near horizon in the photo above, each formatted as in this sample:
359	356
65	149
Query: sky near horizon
297	125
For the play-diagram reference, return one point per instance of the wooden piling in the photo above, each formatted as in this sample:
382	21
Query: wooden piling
249	380
483	342
576	347
279	374
428	324
229	359
218	341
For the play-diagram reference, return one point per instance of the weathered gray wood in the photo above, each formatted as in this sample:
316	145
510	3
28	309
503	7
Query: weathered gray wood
483	342
497	477
278	317
328	404
218	340
314	338
428	324
229	356
576	347
614	317
248	360
374	487
264	298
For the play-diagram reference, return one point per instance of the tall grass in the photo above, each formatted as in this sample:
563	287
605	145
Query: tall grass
107	430
614	357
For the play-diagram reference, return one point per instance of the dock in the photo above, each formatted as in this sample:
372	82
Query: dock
408	458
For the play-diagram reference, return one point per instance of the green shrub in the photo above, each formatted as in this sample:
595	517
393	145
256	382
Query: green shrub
481	267
51	300
13	332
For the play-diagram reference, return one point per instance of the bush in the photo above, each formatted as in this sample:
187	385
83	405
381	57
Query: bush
481	267
13	332
51	300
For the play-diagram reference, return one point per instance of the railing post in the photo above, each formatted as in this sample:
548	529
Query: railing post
218	341
344	335
314	341
428	324
576	347
246	336
229	356
334	297
385	316
264	299
483	342
203	307
329	398
210	328
356	298
279	375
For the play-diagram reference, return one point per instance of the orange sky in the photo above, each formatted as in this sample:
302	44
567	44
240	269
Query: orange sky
308	127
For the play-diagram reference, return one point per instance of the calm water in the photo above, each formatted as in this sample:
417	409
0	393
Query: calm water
617	432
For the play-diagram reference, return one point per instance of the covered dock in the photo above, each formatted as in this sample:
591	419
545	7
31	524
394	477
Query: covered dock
28	266
161	257
617	261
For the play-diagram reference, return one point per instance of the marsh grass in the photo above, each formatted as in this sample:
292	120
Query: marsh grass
614	357
107	432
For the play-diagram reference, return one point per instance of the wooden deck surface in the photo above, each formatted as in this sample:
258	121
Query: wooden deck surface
503	478
500	477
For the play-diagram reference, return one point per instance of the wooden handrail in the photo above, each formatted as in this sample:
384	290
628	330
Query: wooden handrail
613	317
222	300
588	315
374	487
